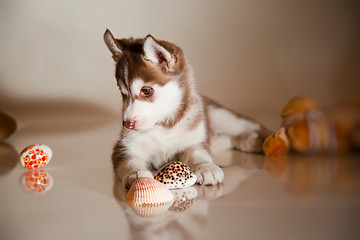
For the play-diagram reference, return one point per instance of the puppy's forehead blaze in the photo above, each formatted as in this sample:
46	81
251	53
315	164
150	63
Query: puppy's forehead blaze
133	66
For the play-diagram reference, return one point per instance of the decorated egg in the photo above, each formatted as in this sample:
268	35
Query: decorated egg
35	156
37	181
176	175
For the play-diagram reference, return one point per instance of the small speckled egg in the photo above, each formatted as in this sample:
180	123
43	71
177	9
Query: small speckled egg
37	181
35	156
176	175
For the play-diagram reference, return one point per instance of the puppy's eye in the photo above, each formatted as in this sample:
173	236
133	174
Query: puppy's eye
146	91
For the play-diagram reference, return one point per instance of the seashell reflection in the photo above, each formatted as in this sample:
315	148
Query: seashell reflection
183	199
150	210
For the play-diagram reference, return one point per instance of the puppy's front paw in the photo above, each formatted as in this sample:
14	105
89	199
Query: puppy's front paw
208	174
128	181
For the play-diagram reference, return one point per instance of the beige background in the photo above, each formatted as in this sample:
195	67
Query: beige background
57	80
252	56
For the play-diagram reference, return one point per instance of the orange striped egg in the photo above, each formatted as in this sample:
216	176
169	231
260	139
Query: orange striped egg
35	156
148	191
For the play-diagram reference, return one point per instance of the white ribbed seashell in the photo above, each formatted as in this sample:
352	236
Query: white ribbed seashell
148	191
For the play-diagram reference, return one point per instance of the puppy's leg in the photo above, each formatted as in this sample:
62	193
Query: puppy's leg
200	160
250	141
128	168
132	169
244	133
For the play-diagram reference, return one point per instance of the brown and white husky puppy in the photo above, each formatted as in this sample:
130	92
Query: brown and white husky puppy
165	118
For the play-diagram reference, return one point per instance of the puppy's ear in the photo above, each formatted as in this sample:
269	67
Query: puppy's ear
111	43
157	54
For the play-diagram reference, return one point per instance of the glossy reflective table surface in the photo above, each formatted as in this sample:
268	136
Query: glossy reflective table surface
76	195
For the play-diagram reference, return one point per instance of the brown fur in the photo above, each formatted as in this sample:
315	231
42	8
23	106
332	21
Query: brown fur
209	132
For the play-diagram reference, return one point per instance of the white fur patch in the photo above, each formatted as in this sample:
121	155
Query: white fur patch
159	145
136	86
166	103
168	100
225	122
220	143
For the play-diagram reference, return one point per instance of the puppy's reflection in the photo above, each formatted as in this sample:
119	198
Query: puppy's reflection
186	217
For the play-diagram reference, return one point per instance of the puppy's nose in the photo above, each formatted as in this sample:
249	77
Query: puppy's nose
129	124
